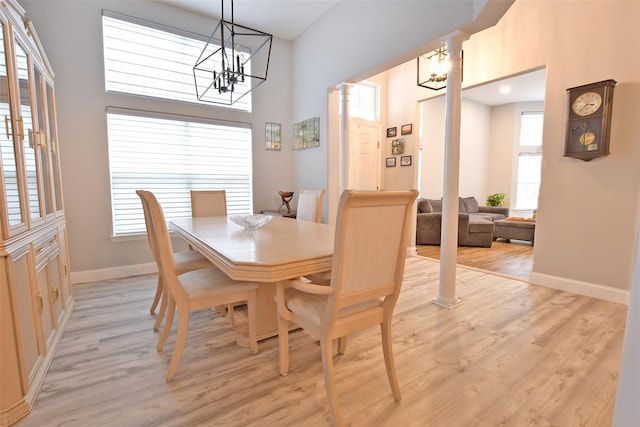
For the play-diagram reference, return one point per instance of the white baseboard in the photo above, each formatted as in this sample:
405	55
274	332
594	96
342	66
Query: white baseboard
606	293
112	273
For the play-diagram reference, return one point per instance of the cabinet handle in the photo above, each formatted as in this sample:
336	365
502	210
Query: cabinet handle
41	300
56	294
53	146
40	135
20	127
31	139
7	122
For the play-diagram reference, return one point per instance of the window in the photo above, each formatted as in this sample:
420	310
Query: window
363	101
143	58
171	155
529	161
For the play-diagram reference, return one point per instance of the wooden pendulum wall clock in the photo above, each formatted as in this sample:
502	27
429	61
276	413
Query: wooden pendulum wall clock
589	120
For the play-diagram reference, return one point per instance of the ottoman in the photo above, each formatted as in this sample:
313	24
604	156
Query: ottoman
515	228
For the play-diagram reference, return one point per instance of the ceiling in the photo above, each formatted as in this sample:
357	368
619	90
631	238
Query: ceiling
287	19
523	88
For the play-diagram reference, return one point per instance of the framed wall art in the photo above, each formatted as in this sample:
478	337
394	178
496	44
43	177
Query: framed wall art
391	162
406	129
397	146
405	161
273	136
391	132
306	134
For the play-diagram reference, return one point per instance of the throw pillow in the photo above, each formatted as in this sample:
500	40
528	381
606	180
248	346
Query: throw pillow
424	206
436	205
470	204
461	207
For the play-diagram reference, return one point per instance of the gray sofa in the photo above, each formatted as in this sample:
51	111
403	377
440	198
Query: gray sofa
475	223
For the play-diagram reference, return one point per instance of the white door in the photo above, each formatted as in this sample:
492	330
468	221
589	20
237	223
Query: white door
364	155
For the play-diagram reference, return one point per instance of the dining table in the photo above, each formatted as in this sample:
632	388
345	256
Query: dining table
282	249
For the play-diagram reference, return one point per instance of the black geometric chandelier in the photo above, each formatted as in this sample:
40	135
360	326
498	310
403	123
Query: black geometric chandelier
433	68
234	61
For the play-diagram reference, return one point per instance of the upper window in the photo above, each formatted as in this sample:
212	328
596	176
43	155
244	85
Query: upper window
363	101
143	58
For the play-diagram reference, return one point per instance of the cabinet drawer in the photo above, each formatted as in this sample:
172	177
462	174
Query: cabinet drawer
44	247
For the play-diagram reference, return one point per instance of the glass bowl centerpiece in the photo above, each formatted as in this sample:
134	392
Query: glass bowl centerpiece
251	222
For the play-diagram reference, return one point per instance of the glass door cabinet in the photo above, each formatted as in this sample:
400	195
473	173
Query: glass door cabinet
35	292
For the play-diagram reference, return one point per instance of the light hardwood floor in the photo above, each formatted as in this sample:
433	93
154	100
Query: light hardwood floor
512	355
513	259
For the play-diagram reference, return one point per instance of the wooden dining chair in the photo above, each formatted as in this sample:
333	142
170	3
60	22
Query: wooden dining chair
193	290
208	203
367	270
213	203
184	261
310	205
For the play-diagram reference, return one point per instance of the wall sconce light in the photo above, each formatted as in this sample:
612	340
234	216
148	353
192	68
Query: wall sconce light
434	67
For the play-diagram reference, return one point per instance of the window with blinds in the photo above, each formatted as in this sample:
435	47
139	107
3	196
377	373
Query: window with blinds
149	59
169	156
529	161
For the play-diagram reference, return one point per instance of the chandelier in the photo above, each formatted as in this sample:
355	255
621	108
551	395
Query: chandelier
433	69
234	61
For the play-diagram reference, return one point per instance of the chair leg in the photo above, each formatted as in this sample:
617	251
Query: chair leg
385	328
252	314
232	318
181	338
156	298
283	343
163	308
326	348
171	308
342	345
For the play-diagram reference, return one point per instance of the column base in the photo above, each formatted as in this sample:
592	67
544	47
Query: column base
446	304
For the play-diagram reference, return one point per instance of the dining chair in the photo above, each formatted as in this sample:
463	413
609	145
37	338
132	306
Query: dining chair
310	205
213	203
184	261
194	290
370	247
208	203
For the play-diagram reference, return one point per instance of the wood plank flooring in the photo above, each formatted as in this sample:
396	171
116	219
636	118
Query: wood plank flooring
513	259
512	355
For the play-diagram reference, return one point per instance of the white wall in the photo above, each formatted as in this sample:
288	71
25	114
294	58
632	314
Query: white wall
475	148
71	32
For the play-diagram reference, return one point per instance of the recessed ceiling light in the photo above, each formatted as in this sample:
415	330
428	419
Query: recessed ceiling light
505	89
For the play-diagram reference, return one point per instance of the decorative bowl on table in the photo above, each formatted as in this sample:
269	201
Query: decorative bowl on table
251	222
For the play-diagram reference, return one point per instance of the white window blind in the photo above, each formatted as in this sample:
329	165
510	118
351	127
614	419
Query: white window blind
148	59
170	156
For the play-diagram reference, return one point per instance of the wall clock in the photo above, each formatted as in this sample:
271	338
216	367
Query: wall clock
589	120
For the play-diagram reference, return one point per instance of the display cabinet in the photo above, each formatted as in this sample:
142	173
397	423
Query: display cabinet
35	292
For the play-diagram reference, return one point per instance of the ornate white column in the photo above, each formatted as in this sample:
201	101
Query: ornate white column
449	237
345	95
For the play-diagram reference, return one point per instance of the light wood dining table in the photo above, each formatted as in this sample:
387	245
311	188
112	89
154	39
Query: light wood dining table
282	249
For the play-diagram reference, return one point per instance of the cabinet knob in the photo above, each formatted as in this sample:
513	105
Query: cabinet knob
41	302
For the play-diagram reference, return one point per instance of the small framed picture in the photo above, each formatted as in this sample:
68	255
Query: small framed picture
397	146
391	162
406	129
405	161
391	132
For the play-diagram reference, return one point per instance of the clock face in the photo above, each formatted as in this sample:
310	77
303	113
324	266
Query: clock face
587	103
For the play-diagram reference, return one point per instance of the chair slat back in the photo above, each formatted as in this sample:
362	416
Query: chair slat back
370	245
208	203
310	205
160	235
